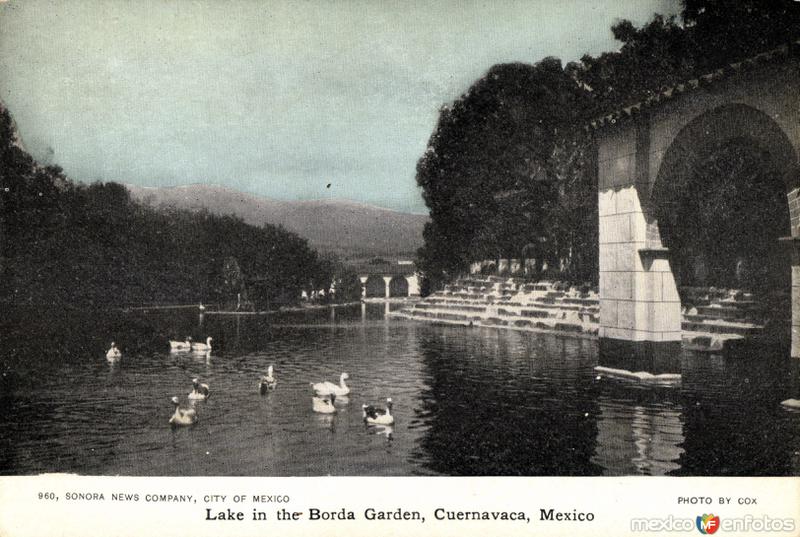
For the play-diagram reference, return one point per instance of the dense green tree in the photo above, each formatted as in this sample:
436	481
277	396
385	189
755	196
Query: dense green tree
348	286
574	228
92	245
725	31
656	55
509	171
486	174
666	51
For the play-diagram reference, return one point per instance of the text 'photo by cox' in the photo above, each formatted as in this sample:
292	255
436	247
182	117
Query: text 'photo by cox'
370	268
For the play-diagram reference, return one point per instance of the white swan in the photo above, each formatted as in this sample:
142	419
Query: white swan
268	382
378	416
180	345
113	353
324	405
199	391
328	388
792	403
182	416
202	347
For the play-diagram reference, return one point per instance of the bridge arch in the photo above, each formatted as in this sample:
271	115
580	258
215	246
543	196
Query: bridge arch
654	155
719	201
375	286
398	286
706	132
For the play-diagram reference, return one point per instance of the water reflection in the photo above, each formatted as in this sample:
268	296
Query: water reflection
323	405
655	358
466	401
638	439
381	430
492	410
326	422
732	422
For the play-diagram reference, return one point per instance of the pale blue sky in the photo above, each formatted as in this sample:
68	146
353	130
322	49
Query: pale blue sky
276	98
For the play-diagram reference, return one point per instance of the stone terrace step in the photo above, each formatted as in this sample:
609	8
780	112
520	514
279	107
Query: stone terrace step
739	316
459	307
707	318
583	301
722	327
720	317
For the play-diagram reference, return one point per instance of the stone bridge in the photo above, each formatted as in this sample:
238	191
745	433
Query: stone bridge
651	149
388	280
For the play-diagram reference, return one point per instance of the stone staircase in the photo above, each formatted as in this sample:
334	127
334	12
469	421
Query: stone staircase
714	319
511	303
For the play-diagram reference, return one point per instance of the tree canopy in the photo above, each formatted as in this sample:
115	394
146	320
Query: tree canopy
509	170
92	245
486	174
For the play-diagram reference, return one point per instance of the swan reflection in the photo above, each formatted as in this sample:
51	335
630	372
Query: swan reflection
323	405
382	430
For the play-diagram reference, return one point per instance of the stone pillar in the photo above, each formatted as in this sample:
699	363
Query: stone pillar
413	285
363	286
386	281
794	242
639	299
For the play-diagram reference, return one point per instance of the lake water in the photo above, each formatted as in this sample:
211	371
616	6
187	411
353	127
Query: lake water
467	401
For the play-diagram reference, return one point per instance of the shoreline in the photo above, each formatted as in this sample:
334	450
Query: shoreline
292	309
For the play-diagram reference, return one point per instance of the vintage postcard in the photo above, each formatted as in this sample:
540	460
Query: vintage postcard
371	268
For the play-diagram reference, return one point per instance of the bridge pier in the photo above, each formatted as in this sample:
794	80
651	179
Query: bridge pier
639	302
413	285
386	281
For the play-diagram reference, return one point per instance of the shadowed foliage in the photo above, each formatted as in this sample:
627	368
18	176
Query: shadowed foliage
92	245
510	172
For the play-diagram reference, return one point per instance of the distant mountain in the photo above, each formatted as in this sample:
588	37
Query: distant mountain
347	228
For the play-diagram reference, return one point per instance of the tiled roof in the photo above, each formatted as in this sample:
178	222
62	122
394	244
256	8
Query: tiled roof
771	56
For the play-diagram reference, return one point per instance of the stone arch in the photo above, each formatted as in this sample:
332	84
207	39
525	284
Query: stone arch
398	286
699	170
375	286
698	140
647	152
705	132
